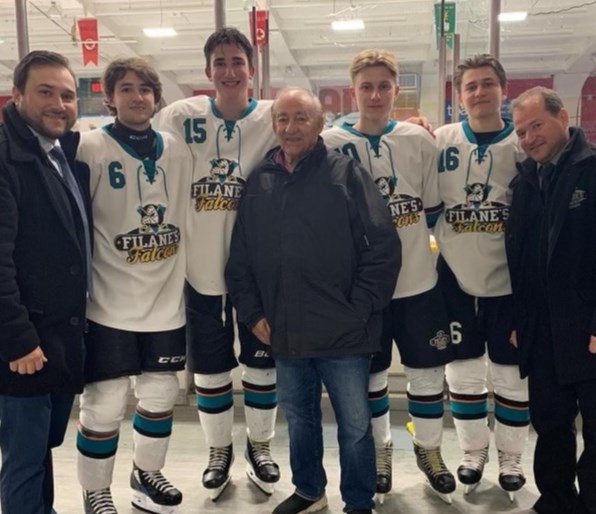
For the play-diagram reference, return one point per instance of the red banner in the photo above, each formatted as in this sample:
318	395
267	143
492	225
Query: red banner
261	26
88	35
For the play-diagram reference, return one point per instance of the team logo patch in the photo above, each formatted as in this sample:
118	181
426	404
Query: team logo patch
405	210
220	190
478	213
440	341
154	240
476	195
578	196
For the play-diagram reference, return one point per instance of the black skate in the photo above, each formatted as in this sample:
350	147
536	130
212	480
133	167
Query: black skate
438	477
151	492
217	475
384	459
261	468
511	474
471	468
99	502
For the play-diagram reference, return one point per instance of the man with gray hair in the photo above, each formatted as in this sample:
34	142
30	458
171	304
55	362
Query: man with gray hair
551	247
314	259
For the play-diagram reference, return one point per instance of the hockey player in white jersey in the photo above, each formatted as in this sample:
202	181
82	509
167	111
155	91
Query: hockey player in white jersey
136	315
401	157
228	135
477	160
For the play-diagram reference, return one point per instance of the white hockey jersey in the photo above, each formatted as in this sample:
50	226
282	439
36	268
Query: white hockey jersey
474	186
224	153
402	162
138	230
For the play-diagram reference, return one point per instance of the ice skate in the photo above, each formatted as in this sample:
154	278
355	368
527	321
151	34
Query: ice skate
99	502
384	458
217	475
438	478
511	474
261	468
471	468
151	492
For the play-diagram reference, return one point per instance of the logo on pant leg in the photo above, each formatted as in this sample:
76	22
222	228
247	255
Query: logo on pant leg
440	341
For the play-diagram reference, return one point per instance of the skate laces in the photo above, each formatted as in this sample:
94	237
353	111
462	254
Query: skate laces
384	456
261	452
510	464
157	480
100	501
219	457
475	459
433	461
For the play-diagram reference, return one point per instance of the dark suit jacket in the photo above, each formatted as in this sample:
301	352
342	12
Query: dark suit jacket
42	263
551	247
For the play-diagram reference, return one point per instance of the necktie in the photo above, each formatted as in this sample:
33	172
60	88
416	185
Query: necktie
71	183
547	172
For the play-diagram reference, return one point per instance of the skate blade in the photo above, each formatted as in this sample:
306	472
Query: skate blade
380	498
265	487
469	488
216	492
443	496
144	503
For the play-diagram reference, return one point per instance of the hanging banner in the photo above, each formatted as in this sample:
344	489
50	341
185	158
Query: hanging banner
260	26
89	37
449	22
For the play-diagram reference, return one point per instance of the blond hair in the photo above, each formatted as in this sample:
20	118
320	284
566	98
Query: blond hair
374	57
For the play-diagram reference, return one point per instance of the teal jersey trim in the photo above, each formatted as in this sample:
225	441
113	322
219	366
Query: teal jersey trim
373	139
252	105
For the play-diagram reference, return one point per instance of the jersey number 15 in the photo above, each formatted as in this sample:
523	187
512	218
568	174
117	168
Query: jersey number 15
194	132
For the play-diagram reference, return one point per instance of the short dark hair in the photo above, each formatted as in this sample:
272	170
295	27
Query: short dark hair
552	101
227	36
118	68
34	59
479	61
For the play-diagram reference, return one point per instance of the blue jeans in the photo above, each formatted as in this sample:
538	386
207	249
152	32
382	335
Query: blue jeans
29	428
299	385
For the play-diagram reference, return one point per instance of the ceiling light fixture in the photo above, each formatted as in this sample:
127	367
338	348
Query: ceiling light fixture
512	16
54	11
345	25
161	31
348	19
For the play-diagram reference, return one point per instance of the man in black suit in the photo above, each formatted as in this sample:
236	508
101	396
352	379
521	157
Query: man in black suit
551	246
44	262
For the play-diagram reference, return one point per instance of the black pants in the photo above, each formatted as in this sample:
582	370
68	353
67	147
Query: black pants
553	412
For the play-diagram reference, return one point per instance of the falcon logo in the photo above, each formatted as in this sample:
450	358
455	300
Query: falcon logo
477	213
221	190
405	210
476	194
153	241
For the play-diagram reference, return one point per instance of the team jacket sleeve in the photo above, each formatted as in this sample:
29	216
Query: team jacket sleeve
18	336
378	244
240	280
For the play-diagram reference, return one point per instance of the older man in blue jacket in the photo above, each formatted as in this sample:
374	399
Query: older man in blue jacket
314	259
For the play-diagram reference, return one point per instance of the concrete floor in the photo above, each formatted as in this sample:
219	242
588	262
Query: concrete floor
187	458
